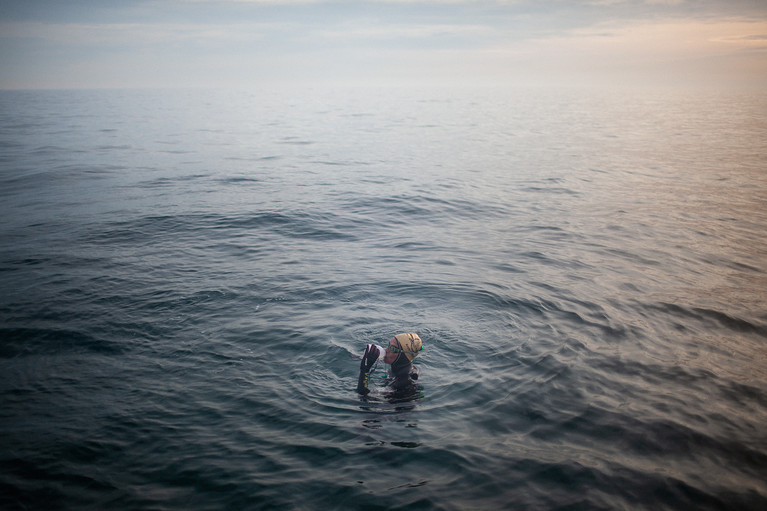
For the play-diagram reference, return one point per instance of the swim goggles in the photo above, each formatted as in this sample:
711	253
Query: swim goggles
395	349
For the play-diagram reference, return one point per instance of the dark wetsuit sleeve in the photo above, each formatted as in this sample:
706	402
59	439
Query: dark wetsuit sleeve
368	360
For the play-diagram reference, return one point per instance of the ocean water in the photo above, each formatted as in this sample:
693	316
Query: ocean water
189	277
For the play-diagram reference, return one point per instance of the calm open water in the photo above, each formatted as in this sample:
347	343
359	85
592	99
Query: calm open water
187	277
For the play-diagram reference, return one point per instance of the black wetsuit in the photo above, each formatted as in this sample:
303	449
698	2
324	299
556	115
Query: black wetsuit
401	376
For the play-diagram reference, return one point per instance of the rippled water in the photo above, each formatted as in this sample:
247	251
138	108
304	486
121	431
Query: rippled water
188	277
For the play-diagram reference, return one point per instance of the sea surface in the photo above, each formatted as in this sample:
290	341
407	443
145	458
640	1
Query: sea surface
188	279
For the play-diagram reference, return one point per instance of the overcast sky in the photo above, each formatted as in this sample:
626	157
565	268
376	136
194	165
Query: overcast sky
244	43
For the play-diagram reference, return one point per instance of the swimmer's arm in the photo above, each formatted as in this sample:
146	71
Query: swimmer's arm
372	353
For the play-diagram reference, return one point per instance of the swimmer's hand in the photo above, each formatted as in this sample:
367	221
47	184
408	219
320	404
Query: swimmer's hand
369	358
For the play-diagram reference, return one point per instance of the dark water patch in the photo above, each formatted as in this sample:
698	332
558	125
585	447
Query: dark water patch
550	190
239	180
50	486
708	317
42	178
166	182
423	207
53	150
296	224
113	147
508	268
618	432
17	342
572	485
730	322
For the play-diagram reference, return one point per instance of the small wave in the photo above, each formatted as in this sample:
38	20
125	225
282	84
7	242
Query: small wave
19	342
708	316
296	141
239	180
123	147
550	190
293	225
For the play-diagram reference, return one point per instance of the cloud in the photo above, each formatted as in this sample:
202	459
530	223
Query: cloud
135	34
372	31
750	39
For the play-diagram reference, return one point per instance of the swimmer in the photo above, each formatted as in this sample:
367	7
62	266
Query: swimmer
399	354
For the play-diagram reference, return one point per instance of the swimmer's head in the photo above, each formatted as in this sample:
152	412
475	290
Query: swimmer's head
403	348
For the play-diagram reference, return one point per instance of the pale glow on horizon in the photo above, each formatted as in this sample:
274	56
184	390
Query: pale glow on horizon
659	45
407	42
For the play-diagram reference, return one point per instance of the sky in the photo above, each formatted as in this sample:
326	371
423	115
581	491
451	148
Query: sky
246	43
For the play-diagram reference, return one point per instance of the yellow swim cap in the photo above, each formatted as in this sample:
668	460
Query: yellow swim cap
411	345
